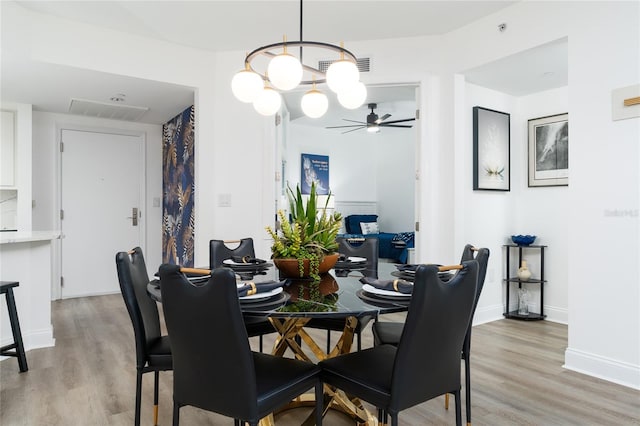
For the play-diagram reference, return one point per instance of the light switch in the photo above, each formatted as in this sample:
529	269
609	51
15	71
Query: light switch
224	200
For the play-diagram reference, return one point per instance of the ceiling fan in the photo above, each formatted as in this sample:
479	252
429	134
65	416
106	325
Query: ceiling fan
373	122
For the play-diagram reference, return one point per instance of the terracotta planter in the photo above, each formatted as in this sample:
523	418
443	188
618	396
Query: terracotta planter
289	267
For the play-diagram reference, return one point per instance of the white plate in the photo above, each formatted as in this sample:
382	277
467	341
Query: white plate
357	259
199	278
260	296
231	262
371	289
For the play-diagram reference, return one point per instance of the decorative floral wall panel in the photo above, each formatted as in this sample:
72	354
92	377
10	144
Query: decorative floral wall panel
178	220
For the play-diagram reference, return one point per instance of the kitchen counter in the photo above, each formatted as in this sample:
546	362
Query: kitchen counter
26	257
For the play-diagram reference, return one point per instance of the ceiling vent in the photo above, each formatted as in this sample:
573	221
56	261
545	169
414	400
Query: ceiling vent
363	65
106	110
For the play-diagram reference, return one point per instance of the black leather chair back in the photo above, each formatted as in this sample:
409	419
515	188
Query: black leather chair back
368	249
427	362
219	251
133	277
212	361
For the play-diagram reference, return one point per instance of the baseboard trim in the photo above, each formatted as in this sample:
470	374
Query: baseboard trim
612	370
35	340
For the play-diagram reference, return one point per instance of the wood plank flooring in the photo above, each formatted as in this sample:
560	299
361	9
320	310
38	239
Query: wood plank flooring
88	378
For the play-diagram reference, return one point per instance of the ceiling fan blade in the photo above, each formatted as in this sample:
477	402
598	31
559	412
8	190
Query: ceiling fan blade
353	130
398	121
395	125
381	119
354	121
339	127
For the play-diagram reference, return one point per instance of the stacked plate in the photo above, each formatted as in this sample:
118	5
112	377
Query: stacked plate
384	298
264	301
248	270
351	263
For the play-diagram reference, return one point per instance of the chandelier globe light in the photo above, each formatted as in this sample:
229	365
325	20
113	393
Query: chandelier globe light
285	71
247	85
268	102
354	96
314	103
341	75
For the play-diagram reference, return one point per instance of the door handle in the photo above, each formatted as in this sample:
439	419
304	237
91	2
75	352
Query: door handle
134	216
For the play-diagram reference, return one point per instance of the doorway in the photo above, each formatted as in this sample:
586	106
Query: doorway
102	192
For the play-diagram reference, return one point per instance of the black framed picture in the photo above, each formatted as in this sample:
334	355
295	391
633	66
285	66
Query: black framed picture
491	144
549	150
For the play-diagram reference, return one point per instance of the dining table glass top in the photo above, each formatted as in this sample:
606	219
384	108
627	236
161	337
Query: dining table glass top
334	296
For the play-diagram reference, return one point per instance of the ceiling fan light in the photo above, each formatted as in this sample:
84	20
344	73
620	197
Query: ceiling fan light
341	74
354	96
268	102
285	71
246	85
373	129
314	103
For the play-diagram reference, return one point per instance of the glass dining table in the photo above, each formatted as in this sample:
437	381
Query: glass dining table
300	301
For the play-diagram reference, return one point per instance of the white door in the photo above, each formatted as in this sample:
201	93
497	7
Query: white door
102	191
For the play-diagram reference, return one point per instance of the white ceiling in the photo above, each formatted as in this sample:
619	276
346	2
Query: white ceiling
214	25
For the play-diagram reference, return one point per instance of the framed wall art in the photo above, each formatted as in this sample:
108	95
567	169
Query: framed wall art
315	169
491	143
549	151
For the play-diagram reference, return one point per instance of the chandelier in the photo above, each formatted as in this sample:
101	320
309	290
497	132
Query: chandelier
285	72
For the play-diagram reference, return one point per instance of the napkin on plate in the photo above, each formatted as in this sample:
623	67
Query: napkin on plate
247	259
407	267
400	286
250	288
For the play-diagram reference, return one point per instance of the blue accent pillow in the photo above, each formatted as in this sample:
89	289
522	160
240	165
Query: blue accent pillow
352	222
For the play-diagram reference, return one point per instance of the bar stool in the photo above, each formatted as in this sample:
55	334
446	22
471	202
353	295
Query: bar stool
6	288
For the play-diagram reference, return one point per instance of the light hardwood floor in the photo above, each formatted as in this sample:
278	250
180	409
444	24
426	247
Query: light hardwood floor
88	378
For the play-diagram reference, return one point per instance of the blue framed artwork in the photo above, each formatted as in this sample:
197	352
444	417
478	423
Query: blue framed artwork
314	168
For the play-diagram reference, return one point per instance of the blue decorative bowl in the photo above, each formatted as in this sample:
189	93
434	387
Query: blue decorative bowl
523	240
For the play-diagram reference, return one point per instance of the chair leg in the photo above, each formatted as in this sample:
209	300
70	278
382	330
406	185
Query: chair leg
359	334
260	339
467	388
155	397
328	341
458	408
15	330
138	397
446	401
176	414
394	419
319	403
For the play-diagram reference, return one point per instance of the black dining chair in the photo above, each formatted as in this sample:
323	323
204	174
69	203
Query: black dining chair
221	250
426	361
369	250
214	367
389	333
153	351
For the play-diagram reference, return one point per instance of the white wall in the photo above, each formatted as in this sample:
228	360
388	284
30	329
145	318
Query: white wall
603	312
363	167
46	173
542	211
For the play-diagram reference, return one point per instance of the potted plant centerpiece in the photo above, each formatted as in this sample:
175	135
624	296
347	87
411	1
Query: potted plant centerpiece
306	246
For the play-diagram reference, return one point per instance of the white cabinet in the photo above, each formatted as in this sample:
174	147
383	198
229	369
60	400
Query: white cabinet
7	148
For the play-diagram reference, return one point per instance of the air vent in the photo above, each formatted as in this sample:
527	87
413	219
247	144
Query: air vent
106	110
363	65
